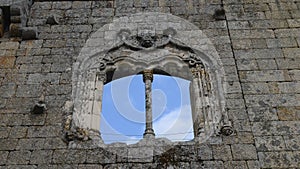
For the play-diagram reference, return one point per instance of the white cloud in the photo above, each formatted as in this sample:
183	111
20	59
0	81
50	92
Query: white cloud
177	125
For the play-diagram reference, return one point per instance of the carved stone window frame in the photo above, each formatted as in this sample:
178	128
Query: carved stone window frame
144	46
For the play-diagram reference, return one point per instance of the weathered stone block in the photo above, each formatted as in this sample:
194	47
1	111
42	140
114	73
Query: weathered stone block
288	113
29	91
235	164
265	64
288	63
293	23
292	142
204	152
244	152
11	119
54	143
239	138
3	157
222	152
38	78
44	131
4	132
255	88
78	13
253	164
61	5
247	64
18	132
235	103
185	153
278	159
18	157
291	52
262	114
7	62
242	44
251	34
100	156
103	12
270	143
54	43
272	100
30	144
81	5
8	144
276	128
287	32
258	53
264	75
2	103
295	74
41	157
207	164
31	68
90	166
282	42
238	25
70	156
82	28
7	90
144	154
268	24
259	43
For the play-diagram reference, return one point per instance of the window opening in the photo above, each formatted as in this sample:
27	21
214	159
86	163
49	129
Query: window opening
123	111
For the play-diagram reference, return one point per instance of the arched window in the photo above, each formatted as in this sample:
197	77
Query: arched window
123	110
131	49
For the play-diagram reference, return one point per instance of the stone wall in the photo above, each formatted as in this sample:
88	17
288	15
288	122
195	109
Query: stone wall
258	42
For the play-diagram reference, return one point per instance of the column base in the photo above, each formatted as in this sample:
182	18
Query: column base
149	133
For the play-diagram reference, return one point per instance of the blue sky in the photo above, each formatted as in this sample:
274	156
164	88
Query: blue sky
123	110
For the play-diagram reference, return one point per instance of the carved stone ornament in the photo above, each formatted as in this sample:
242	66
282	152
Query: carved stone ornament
106	60
146	40
101	76
74	134
193	60
227	130
77	134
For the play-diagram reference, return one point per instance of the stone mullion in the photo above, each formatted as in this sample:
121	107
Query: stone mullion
148	78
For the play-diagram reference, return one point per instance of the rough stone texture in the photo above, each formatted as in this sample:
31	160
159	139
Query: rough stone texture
259	45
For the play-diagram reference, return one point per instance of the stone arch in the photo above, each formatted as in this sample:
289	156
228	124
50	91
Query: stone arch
150	41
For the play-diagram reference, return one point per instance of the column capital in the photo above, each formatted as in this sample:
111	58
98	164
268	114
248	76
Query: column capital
147	75
101	76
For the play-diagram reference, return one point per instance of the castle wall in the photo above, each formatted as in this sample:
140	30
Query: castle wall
258	42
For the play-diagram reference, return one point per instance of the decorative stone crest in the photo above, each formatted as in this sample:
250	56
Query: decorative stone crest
146	40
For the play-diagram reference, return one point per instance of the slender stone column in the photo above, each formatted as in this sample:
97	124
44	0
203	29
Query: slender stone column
148	78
